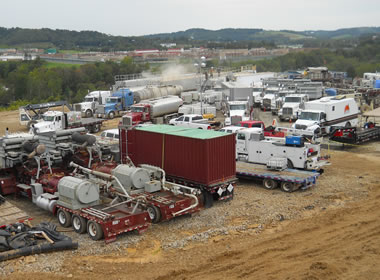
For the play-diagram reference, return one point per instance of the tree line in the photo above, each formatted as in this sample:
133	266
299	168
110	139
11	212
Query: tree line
36	82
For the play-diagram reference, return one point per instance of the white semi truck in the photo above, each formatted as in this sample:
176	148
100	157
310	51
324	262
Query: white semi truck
293	104
237	111
323	114
91	101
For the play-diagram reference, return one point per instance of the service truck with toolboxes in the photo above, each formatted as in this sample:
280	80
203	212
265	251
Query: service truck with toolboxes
323	114
253	147
204	159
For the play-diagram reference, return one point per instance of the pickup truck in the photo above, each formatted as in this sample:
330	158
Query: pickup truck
194	121
269	131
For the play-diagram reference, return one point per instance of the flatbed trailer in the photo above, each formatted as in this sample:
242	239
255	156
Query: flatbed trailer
105	221
10	214
93	125
289	180
355	135
165	205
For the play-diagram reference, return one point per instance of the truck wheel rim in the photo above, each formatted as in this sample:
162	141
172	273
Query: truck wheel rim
151	213
287	187
92	229
62	217
76	223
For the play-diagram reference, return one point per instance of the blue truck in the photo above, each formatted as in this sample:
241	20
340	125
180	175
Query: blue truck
118	102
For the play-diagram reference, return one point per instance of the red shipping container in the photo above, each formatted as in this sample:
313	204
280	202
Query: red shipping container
197	156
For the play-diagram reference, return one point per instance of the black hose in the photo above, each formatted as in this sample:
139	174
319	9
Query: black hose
79	138
38	249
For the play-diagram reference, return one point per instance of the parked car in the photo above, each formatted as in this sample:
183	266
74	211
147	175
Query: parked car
110	133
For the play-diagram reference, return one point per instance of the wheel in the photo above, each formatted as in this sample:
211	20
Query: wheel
94	230
30	123
64	218
348	124
95	128
288	187
79	224
111	115
290	164
154	213
208	199
88	113
269	184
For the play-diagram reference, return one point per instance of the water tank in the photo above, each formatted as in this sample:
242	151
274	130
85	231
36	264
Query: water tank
156	92
376	84
330	91
131	176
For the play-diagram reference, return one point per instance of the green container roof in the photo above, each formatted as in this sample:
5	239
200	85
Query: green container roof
183	131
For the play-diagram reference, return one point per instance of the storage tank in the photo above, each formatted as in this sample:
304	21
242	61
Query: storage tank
156	92
164	105
330	91
76	193
130	176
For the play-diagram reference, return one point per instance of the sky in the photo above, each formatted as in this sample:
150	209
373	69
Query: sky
142	17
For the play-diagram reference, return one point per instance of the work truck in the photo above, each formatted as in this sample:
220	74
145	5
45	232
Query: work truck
194	121
91	101
293	104
57	120
32	113
116	104
253	147
156	110
237	111
320	116
269	131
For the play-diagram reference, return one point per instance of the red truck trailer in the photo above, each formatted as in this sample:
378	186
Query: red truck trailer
198	158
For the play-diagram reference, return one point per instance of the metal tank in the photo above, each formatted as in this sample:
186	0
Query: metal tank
156	92
164	105
75	193
131	177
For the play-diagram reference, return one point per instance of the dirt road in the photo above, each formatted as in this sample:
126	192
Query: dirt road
329	232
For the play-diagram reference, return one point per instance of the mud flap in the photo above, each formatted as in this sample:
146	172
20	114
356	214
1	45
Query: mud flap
208	199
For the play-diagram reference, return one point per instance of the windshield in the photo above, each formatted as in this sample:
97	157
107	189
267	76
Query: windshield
258	89
112	100
89	99
237	107
48	118
309	116
292	99
137	109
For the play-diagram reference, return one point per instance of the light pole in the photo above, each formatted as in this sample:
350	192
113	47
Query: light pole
199	65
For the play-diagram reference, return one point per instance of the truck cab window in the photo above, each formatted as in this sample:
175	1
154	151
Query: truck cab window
187	119
333	108
241	136
180	119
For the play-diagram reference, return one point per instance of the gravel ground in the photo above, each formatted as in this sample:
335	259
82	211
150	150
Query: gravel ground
252	210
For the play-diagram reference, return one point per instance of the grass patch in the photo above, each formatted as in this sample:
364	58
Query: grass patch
62	65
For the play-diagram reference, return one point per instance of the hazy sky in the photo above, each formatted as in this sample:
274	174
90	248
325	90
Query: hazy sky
140	17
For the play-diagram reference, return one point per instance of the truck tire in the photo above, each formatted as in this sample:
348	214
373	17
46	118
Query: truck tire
348	124
64	218
30	124
94	230
95	128
290	164
79	224
111	115
208	199
88	113
154	213
269	184
288	187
